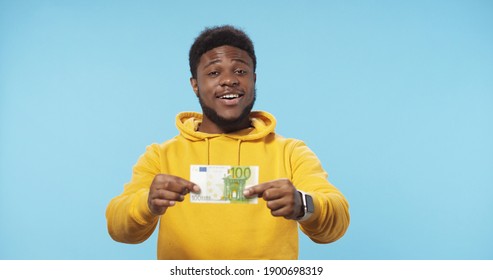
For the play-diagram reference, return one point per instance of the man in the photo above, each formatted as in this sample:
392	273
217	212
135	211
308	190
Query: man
292	187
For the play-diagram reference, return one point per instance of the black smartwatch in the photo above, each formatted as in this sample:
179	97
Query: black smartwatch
307	206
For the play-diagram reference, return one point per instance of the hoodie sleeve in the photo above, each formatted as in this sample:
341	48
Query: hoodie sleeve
128	216
330	220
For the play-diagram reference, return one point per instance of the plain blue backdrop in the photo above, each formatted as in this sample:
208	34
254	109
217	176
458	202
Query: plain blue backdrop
395	97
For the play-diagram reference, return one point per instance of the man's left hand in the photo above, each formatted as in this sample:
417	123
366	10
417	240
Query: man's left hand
281	196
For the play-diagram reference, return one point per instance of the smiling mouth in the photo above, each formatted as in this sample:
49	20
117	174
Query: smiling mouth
231	96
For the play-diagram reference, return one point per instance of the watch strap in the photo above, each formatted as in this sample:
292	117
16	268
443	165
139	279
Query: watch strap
307	206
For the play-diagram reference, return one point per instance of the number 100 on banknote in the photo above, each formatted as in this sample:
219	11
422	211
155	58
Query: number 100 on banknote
223	183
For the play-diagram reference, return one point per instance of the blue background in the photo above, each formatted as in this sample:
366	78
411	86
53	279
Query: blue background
395	97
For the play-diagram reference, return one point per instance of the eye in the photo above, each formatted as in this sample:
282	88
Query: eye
241	72
213	74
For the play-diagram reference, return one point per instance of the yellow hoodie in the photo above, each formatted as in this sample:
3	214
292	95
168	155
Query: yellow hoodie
227	231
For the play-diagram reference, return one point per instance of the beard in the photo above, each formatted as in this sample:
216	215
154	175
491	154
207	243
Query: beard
227	124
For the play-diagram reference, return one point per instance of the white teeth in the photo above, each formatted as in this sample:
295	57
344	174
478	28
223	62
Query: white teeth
229	96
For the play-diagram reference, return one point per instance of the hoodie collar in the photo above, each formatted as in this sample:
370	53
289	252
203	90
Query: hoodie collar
263	123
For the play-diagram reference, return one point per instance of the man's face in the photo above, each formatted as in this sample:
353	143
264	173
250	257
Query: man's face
225	86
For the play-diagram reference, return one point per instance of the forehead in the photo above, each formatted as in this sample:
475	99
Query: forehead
224	54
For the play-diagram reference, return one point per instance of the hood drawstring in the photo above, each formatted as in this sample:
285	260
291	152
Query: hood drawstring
208	151
239	153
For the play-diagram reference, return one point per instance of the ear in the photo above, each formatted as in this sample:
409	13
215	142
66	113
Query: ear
195	85
255	77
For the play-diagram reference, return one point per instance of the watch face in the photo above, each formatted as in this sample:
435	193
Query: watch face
309	204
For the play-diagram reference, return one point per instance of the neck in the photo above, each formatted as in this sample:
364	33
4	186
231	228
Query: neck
207	126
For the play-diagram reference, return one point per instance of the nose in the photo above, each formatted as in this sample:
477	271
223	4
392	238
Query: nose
229	80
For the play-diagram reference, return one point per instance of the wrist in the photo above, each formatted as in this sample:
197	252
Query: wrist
301	208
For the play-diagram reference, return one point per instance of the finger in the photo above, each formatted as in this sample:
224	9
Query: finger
285	212
161	203
187	185
167	195
159	206
258	190
275	204
274	193
285	202
174	183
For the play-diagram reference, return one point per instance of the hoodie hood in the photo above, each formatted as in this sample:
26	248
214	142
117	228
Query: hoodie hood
263	124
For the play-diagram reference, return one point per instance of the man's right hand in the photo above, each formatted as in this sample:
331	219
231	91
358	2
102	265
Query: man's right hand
166	190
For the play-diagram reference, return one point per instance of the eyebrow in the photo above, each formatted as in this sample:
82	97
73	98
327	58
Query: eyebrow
219	60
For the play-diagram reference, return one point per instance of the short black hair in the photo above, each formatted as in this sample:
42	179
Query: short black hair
213	37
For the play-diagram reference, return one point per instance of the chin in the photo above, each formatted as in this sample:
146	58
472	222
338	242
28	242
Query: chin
232	118
228	121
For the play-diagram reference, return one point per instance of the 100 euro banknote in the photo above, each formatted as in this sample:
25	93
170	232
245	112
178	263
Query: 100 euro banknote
223	183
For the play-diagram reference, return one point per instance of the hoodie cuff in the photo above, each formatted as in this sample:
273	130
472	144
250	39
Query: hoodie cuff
141	212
